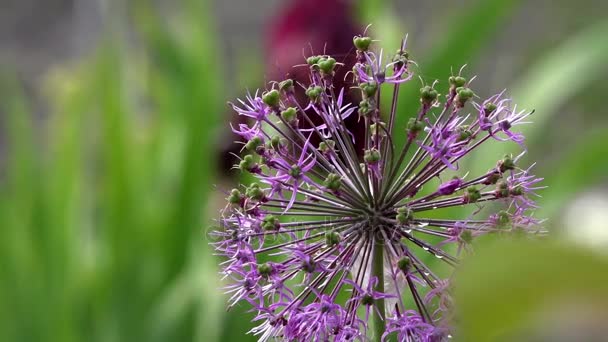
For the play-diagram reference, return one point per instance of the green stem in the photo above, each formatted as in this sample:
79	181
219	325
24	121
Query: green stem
378	271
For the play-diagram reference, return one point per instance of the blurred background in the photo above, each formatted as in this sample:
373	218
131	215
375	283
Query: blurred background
114	145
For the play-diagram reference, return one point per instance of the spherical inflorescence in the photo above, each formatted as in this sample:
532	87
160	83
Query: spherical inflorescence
331	243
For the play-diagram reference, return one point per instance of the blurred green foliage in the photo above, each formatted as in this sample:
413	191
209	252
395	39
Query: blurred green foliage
103	207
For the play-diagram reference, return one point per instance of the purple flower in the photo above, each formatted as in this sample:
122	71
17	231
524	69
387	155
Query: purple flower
331	237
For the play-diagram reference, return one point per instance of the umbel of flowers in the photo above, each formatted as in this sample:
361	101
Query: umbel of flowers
331	243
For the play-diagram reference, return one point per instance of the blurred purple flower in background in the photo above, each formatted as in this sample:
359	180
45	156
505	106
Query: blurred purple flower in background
334	230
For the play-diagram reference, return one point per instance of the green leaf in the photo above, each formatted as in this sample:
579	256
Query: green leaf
550	83
581	165
463	38
506	284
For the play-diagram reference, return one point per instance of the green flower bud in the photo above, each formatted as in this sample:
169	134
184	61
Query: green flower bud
270	222
362	43
248	163
255	192
404	263
464	133
365	108
369	89
327	65
401	57
332	238
235	197
492	177
271	98
313	92
457	81
404	215
254	143
428	95
276	142
471	195
333	182
507	163
309	266
517	191
371	156
295	171
327	146
502	189
466	236
414	126
502	219
286	85
378	128
265	269
489	108
312	60
289	115
367	300
463	95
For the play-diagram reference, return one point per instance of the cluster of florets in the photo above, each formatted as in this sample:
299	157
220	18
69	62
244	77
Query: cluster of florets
329	235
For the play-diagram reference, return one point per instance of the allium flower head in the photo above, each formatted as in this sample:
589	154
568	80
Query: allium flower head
331	243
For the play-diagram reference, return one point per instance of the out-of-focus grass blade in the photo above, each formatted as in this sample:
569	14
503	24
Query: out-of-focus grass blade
582	164
500	289
461	42
552	82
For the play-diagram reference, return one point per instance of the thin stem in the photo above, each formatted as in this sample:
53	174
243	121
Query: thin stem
378	272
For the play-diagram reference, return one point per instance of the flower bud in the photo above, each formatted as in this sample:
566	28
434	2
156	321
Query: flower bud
313	92
327	65
492	178
254	143
312	60
404	263
401	58
332	238
362	43
457	81
365	108
271	98
517	191
235	197
270	222
367	300
404	215
471	195
255	192
295	171
502	219
333	182
507	163
466	236
371	156
327	146
286	86
463	94
502	189
276	142
488	108
464	133
414	127
369	89
265	270
428	95
248	164
289	115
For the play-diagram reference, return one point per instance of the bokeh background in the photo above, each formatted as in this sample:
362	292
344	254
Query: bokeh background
114	145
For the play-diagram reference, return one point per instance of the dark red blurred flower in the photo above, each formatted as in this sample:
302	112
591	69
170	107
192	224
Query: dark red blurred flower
303	28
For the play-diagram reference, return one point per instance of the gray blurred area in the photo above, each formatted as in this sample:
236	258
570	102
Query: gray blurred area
37	34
